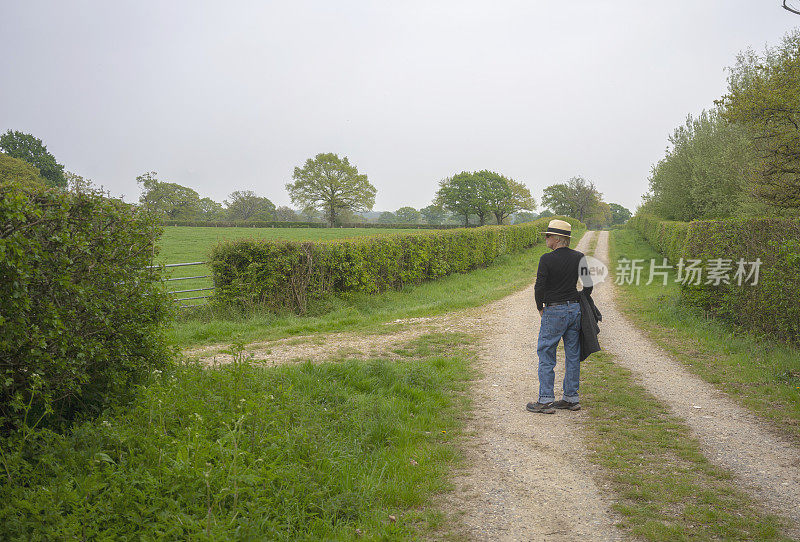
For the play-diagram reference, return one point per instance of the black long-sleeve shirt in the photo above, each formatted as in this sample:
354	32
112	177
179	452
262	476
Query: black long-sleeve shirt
557	276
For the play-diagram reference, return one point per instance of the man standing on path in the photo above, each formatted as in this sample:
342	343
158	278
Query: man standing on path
558	301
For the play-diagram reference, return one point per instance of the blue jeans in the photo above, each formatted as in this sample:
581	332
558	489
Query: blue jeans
559	321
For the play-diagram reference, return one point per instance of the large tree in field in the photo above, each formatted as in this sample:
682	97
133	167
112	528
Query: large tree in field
332	185
434	214
30	149
505	196
247	205
459	195
619	214
408	215
764	97
169	200
577	198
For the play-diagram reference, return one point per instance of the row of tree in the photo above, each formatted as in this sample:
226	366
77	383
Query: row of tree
742	157
330	188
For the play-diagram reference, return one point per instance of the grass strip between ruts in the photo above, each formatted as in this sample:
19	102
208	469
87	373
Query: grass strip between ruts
665	488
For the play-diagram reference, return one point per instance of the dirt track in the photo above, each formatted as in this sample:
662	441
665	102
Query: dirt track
527	476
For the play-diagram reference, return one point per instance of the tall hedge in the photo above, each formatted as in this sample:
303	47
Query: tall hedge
80	320
287	274
771	305
666	236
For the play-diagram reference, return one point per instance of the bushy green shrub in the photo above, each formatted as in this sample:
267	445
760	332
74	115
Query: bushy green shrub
285	275
666	236
770	306
80	319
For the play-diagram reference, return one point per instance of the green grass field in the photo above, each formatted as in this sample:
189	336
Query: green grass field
188	244
183	244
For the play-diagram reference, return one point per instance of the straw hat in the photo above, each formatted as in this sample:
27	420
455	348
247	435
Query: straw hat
559	227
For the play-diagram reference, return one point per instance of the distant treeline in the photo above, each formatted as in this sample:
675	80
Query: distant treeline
278	224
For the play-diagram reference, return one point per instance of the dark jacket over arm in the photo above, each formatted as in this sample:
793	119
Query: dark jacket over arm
590	315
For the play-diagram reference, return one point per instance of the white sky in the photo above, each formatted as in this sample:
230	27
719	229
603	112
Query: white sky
224	96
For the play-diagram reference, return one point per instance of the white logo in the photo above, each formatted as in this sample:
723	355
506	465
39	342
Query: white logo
592	271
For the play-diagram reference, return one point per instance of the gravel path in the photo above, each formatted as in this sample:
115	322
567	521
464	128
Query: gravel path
766	464
527	476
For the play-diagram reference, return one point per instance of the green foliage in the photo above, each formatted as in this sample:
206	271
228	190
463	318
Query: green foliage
523	217
408	215
169	201
703	174
387	217
771	305
764	98
505	196
459	195
434	214
330	184
246	452
247	205
19	171
285	275
483	193
30	149
577	197
667	237
209	209
81	321
619	214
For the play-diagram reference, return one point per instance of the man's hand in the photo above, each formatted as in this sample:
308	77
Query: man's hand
540	312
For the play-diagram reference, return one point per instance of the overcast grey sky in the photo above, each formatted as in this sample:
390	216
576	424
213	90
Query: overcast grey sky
224	96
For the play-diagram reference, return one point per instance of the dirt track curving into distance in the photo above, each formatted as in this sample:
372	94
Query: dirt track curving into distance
527	476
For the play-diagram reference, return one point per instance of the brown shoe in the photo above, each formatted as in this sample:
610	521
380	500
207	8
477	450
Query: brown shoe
542	408
561	403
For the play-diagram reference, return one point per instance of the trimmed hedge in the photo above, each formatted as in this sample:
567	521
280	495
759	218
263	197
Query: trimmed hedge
772	305
287	274
666	236
273	224
81	322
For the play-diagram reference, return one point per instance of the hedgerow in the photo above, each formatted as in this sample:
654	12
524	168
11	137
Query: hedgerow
80	320
770	305
286	275
666	236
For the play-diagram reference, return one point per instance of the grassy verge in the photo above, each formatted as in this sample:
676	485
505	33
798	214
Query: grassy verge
763	375
666	489
328	451
366	312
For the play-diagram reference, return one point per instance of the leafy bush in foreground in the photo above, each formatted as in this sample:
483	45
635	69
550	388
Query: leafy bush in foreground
300	452
80	319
